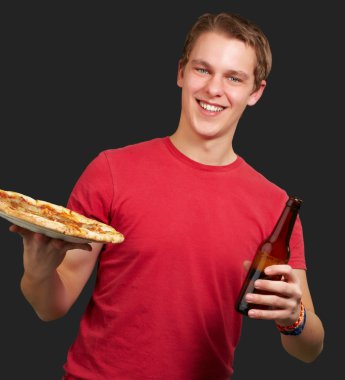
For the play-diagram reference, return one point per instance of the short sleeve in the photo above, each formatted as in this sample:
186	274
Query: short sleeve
93	193
297	254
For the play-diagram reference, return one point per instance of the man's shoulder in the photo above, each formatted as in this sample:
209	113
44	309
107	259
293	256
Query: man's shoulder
131	155
259	182
135	148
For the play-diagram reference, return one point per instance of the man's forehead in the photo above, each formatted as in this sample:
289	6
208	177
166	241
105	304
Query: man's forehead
219	50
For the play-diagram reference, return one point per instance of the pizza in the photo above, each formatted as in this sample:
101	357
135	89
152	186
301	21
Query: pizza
54	220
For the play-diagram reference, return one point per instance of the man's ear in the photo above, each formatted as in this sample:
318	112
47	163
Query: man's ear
179	74
256	95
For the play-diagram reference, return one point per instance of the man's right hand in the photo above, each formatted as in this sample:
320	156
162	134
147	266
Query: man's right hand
55	271
42	254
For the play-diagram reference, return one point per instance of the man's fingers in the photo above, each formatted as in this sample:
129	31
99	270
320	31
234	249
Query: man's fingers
57	243
19	230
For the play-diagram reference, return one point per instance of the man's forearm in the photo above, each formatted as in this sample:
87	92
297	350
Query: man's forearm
47	296
309	344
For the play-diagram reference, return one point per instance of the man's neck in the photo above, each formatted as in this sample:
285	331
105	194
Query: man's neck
207	151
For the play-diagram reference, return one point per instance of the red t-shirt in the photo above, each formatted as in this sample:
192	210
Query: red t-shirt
163	303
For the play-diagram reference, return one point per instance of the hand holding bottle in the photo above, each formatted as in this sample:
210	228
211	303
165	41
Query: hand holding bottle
276	300
270	266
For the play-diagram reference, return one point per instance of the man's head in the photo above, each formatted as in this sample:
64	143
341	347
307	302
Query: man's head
233	26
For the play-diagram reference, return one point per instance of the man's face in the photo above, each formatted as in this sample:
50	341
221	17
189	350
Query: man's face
217	84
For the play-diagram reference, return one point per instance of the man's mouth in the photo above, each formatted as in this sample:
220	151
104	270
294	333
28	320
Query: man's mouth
210	107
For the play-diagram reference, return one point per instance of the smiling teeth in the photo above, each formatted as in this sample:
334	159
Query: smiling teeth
211	108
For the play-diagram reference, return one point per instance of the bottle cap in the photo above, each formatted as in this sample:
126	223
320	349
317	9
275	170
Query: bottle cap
294	201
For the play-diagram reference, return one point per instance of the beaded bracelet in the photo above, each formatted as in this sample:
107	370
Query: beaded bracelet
297	327
294	325
297	330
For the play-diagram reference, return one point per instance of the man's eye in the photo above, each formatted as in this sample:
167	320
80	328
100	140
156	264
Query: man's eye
234	79
202	71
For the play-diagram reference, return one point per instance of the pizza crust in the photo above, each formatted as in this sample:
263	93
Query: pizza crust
56	218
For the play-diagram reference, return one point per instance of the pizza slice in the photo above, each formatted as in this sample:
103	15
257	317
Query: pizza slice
54	220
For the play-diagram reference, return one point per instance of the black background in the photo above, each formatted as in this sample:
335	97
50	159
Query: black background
78	78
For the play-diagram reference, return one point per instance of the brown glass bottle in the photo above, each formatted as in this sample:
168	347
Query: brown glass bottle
273	250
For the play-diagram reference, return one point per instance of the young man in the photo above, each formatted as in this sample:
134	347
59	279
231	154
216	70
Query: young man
192	212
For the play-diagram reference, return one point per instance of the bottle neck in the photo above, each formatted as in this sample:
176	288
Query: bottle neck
284	226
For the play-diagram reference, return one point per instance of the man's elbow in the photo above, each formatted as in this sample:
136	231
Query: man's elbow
52	315
307	356
311	357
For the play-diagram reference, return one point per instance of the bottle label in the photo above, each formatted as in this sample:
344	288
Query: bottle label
264	259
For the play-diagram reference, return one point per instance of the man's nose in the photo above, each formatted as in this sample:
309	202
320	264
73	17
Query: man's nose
214	86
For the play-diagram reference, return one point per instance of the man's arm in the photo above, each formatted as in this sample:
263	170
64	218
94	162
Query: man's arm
284	299
309	344
55	272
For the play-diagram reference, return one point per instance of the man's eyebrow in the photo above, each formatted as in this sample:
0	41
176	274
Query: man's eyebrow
200	62
237	73
230	72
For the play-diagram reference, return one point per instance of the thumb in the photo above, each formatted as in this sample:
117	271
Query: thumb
246	265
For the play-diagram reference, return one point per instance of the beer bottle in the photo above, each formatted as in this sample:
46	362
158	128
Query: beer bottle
273	250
